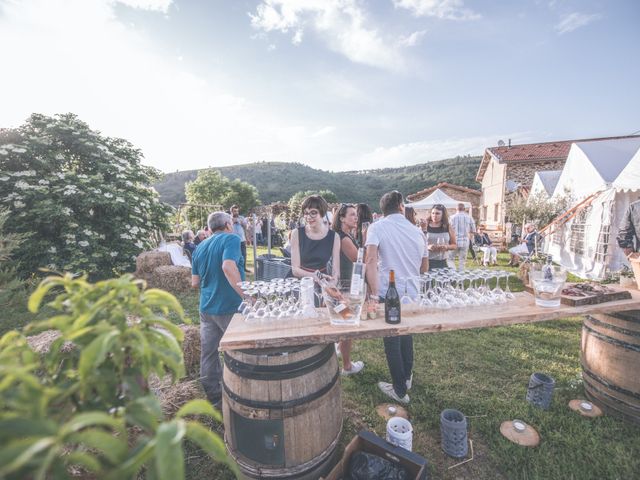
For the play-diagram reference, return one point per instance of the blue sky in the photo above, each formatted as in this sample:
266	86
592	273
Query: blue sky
335	84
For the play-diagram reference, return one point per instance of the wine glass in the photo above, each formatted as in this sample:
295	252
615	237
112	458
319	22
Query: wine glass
440	243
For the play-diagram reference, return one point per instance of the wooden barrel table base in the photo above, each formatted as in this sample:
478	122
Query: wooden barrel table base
282	411
610	357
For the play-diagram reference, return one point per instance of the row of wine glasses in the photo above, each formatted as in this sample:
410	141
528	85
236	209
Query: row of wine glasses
277	298
447	288
440	289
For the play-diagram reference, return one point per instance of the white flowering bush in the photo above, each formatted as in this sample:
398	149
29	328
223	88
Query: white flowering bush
84	199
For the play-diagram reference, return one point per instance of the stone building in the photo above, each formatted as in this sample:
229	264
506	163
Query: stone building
508	171
457	192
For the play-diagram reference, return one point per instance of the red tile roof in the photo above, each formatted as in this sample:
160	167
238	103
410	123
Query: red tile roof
534	152
414	197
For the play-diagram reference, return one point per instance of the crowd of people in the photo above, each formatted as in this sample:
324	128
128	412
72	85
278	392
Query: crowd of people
327	242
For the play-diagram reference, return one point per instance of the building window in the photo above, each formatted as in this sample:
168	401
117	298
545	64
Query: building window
496	210
484	213
578	231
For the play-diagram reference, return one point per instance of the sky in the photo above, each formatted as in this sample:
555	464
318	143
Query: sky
334	84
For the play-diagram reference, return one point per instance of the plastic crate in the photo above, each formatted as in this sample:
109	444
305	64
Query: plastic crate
269	267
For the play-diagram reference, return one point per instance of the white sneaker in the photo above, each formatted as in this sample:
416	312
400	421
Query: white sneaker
388	390
338	352
410	382
355	368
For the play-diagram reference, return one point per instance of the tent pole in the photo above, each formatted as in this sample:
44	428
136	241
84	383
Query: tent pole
253	241
269	233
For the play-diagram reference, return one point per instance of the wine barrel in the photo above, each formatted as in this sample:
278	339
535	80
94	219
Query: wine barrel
610	357
282	411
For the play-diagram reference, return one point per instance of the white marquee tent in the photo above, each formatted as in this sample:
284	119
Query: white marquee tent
438	197
544	183
606	174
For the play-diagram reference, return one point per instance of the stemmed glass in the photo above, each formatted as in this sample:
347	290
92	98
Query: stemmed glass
507	291
499	294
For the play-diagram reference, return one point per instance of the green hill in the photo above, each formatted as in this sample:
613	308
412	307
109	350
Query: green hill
278	181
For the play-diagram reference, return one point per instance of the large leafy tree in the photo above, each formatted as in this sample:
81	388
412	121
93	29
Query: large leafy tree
84	199
210	187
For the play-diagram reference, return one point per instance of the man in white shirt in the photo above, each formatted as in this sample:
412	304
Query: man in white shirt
463	226
393	243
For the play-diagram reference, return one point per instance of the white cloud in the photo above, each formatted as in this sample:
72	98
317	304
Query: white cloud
427	151
76	56
341	24
151	5
324	131
413	39
444	9
575	20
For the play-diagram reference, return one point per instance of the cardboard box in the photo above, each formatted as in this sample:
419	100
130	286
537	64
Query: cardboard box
371	443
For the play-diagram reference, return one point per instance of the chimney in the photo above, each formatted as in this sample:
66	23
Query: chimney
509	143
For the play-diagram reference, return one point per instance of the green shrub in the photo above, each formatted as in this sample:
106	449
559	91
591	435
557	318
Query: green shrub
85	199
89	407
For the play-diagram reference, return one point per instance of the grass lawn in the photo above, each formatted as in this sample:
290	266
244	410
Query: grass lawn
483	373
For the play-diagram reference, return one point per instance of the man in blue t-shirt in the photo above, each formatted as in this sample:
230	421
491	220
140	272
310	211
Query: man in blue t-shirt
217	268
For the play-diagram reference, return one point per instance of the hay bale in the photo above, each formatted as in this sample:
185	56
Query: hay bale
172	278
147	262
173	396
191	349
41	343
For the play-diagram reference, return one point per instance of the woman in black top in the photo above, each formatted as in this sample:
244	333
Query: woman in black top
345	222
314	245
440	237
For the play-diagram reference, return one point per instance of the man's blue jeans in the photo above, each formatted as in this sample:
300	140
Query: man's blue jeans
212	327
399	351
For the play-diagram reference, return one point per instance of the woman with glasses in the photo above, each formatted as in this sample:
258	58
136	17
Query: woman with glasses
314	245
440	237
345	222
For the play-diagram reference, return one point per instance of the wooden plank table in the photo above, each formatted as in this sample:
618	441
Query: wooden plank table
274	333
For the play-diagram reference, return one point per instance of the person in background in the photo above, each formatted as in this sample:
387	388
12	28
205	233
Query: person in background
375	217
265	230
483	242
239	228
200	236
365	218
187	243
314	246
629	234
410	214
251	228
345	222
218	266
526	247
259	238
394	244
463	226
441	238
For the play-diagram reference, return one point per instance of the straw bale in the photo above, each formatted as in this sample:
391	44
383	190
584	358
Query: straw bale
147	262
191	349
174	279
172	396
42	342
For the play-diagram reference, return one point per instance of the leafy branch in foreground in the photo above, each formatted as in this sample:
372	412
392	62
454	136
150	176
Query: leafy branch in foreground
89	408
